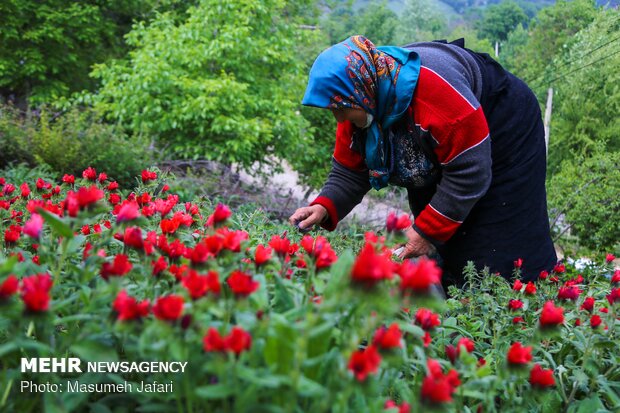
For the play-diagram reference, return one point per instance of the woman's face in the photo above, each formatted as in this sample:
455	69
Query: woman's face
355	116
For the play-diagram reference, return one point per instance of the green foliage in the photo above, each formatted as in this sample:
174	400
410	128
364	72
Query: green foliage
47	48
584	200
374	21
224	83
499	20
421	21
582	121
69	143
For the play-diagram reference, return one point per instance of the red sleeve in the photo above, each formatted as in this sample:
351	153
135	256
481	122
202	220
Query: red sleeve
332	216
343	153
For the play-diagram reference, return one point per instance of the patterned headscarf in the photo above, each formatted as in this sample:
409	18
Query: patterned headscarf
356	74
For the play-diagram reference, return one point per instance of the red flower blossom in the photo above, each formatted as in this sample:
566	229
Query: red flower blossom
68	179
242	284
232	239
148	176
370	267
419	276
128	308
112	186
530	288
404	407
102	177
569	293
614	296
168	308
595	321
426	339
543	275
588	304
88	196
559	268
213	341
128	212
280	245
36	292
364	362
133	238
609	258
238	340
221	214
25	190
517	286
159	265
12	234
8	287
119	267
319	249
388	338
466	343
8	189
517	320
426	319
262	254
34	226
396	223
518	354
551	315
515	305
199	285
615	279
541	378
85	230
89	174
438	387
518	263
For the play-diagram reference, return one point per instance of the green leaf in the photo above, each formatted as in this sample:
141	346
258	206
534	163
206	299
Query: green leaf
94	351
57	225
310	388
215	391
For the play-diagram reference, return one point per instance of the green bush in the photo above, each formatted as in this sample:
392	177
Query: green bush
584	200
69	143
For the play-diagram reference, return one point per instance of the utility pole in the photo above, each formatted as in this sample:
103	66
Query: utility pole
548	117
496	49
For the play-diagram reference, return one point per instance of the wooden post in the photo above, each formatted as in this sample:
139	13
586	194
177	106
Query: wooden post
548	117
496	49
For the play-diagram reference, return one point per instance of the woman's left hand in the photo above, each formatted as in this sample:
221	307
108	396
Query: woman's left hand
415	246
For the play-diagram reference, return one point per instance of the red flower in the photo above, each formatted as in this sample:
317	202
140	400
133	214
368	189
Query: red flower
540	377
543	275
451	353
517	286
518	263
148	176
133	238
519	355
128	308
614	296
262	254
551	315
160	265
426	319
88	196
34	226
36	292
438	387
68	179
388	338
364	362
232	239
198	285
238	340
280	245
515	305
530	288
466	343
119	267
419	276
12	234
370	267
89	174
595	321
615	279
112	186
8	287
8	189
242	284
168	308
213	341
128	212
426	339
559	268
609	258
25	190
569	293
221	214
320	250
404	407
85	230
395	223
102	177
588	304
517	320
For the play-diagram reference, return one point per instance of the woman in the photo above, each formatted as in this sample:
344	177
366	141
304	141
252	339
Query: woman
464	136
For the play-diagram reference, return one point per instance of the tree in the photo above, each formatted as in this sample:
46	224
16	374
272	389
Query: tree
421	21
225	83
500	19
47	48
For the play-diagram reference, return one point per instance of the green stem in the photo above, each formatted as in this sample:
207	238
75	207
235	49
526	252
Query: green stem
5	396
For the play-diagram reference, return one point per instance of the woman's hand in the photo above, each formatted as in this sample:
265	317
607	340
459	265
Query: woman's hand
306	217
415	246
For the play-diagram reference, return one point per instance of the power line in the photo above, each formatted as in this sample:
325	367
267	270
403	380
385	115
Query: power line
563	75
581	57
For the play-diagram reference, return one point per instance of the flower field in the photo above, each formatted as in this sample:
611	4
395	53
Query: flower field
272	320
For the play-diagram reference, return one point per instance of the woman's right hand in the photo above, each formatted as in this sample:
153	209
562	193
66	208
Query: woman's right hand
306	217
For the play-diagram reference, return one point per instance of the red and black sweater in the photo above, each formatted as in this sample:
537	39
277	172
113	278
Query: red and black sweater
447	115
